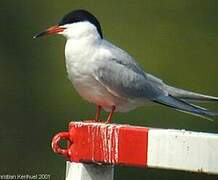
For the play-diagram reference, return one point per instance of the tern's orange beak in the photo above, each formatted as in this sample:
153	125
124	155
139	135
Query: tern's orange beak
52	30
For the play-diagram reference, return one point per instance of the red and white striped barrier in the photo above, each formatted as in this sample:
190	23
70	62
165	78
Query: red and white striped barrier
139	146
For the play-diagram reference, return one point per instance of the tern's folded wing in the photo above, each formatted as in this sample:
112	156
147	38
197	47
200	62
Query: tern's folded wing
126	79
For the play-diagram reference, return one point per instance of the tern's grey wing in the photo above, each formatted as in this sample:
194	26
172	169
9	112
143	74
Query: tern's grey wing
125	78
121	75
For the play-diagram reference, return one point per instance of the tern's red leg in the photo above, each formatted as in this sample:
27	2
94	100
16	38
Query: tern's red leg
110	115
98	112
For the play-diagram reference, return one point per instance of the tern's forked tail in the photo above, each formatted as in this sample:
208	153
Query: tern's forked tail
190	96
182	105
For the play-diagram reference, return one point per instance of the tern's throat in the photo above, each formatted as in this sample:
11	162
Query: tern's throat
82	48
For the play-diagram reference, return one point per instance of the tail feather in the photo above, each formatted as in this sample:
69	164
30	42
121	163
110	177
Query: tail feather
189	96
184	106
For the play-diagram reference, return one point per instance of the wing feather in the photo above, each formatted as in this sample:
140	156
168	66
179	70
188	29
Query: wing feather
121	75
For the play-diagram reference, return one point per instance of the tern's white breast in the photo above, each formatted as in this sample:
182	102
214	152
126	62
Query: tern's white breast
79	64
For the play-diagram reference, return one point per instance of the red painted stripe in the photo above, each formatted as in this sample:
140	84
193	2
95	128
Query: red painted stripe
133	145
107	143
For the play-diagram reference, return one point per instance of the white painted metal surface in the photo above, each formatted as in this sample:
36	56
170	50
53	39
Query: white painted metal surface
80	171
183	150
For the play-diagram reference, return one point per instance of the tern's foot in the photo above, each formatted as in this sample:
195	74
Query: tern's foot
89	121
109	121
94	121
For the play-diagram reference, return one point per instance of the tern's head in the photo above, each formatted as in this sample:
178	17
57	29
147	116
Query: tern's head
75	24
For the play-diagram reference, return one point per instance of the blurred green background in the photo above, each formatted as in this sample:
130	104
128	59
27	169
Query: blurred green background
174	40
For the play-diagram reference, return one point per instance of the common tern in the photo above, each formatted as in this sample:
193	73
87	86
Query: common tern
109	77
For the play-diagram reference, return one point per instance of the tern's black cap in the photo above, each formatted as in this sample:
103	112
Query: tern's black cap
79	16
